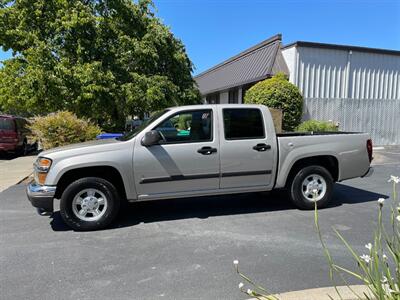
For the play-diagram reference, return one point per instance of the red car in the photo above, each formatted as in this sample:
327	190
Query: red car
14	134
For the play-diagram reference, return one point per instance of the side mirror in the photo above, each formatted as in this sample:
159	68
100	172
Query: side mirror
151	138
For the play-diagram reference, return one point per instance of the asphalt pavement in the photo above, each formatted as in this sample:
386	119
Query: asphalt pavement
184	248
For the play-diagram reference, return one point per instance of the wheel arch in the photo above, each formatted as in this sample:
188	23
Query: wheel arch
329	162
108	173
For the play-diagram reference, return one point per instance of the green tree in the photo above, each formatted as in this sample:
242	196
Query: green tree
278	92
102	59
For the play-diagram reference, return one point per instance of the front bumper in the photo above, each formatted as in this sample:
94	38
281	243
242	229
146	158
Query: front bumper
41	196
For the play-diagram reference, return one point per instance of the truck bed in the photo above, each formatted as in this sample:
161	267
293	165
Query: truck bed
347	148
312	133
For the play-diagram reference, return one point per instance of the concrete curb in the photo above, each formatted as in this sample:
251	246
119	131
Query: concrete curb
326	293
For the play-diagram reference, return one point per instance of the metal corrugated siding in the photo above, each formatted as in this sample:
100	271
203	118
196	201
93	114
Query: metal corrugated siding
331	73
245	69
321	73
379	117
361	90
375	76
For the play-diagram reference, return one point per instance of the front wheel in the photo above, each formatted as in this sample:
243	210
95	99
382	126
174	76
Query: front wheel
309	185
89	203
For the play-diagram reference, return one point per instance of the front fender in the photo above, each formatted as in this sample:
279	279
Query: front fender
121	160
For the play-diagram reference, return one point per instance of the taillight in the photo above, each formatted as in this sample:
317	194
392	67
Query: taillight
369	149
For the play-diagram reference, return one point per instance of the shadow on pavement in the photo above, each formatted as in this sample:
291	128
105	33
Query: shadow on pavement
204	207
12	155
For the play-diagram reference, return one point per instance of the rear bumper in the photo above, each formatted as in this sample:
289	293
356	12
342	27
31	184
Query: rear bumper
369	172
41	196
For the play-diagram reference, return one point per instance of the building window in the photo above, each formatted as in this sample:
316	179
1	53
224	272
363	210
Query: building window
234	96
212	98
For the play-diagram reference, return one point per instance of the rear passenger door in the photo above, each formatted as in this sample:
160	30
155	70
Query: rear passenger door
247	155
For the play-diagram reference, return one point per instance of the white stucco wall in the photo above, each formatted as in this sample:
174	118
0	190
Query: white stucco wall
290	57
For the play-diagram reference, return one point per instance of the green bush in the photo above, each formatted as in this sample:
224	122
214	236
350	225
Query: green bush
62	128
278	92
315	125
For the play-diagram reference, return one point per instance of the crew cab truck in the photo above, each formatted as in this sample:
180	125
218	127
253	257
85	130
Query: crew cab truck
194	151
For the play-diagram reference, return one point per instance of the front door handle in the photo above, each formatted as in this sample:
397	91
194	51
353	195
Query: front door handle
262	147
207	150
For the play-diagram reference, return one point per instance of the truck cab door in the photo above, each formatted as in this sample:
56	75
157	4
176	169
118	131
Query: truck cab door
247	144
186	160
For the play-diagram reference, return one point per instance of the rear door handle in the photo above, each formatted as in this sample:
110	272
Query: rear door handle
207	150
262	147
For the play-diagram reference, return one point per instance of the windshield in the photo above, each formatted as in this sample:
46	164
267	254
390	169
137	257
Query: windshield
133	133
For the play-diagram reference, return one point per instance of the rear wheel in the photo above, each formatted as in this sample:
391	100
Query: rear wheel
309	185
89	203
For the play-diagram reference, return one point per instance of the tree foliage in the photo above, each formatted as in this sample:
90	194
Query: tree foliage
103	59
278	92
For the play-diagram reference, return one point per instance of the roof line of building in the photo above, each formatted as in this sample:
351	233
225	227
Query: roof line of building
341	47
277	37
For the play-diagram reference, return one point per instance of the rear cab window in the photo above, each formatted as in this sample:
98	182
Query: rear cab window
243	123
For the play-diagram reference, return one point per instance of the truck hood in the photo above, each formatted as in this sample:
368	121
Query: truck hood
85	146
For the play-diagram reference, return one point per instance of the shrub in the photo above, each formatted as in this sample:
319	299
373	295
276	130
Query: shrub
278	92
315	125
62	128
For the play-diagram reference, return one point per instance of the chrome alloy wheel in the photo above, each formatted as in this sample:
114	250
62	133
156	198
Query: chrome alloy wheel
314	187
89	205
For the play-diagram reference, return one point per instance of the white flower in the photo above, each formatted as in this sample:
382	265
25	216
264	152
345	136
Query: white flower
386	287
395	179
380	201
368	246
241	285
366	258
249	292
235	262
384	257
398	218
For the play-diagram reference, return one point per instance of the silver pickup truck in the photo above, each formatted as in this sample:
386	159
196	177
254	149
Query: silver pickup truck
195	151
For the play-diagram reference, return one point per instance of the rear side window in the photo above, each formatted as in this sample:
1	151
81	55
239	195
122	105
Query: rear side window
243	123
6	124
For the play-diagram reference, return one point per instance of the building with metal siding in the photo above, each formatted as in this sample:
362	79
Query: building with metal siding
333	71
356	86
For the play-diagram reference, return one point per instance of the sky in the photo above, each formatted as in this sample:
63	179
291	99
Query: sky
215	30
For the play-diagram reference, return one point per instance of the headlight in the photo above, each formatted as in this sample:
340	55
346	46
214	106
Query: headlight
42	166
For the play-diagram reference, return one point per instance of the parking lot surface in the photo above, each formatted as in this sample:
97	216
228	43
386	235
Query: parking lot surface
184	248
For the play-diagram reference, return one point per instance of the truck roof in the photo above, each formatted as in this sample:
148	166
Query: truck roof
203	106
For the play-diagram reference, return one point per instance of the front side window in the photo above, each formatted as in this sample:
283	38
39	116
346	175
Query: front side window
134	132
188	126
243	123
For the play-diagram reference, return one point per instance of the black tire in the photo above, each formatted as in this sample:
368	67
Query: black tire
23	150
295	187
100	184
